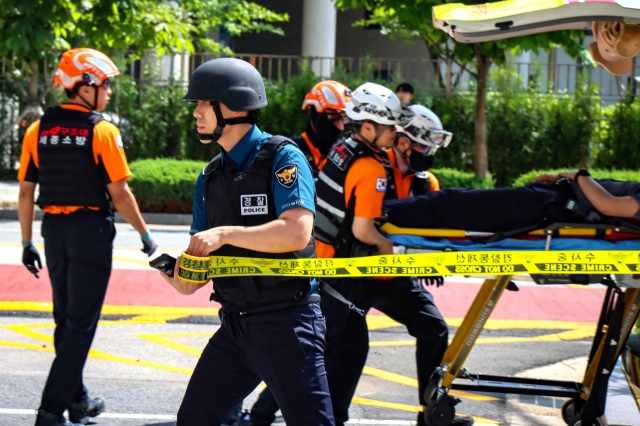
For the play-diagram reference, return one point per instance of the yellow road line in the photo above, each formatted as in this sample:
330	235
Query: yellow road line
114	309
376	322
384	404
31	346
127	259
405	407
160	340
93	353
404	380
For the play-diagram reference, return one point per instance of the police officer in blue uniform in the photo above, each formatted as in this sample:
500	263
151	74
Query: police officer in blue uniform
255	199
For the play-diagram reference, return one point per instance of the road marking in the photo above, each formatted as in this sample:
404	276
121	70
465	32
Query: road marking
115	309
132	416
93	353
408	381
102	416
406	407
161	339
146	314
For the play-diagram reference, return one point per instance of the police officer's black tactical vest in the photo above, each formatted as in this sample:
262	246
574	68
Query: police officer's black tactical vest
246	199
68	174
333	217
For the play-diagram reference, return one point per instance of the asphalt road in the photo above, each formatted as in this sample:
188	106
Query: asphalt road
143	355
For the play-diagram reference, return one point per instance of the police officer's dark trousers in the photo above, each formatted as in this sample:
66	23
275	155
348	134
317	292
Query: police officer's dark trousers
78	248
283	348
404	300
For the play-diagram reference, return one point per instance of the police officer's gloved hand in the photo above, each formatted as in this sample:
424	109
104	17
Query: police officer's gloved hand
30	258
437	281
149	246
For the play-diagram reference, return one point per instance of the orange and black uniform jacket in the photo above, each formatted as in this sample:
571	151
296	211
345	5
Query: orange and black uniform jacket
365	181
108	154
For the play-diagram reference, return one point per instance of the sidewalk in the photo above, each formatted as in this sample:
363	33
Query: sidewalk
8	193
9	211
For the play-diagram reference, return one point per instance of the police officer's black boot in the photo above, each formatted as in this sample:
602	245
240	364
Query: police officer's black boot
80	412
47	419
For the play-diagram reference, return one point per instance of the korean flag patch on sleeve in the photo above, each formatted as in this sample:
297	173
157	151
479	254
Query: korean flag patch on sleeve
381	185
287	175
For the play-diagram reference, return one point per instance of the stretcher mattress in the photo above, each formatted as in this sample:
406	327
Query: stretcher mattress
440	244
511	18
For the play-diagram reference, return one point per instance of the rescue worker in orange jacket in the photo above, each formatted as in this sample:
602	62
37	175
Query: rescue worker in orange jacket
403	299
326	102
77	159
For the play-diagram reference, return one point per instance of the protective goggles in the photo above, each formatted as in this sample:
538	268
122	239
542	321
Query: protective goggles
425	150
439	138
419	148
337	117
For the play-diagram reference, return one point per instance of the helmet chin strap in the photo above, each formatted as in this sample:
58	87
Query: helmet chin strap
87	103
221	122
373	144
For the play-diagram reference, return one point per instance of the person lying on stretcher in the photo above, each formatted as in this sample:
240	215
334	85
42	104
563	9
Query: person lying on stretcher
567	197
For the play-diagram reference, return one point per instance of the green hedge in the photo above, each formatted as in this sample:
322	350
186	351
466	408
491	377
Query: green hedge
452	178
630	175
165	185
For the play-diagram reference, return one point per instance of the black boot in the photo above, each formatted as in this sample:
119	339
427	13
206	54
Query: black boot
79	412
47	419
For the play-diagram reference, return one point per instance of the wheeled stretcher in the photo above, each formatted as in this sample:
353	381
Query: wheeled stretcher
619	312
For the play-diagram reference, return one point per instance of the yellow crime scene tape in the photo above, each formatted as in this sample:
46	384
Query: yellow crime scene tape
200	269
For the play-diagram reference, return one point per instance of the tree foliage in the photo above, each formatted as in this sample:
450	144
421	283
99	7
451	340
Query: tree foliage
409	19
33	33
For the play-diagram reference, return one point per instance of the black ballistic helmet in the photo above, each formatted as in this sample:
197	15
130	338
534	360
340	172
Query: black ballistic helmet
233	82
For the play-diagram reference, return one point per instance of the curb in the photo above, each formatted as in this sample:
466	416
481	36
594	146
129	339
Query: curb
149	218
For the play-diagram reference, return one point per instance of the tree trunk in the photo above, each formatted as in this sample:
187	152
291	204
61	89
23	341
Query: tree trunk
481	159
35	99
33	111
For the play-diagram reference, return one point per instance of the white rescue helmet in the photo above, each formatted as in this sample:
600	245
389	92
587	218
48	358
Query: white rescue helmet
425	128
372	102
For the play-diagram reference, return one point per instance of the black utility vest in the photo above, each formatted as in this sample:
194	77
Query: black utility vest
68	174
246	199
333	217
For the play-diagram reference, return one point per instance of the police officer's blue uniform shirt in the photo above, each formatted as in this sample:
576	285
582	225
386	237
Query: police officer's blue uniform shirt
285	197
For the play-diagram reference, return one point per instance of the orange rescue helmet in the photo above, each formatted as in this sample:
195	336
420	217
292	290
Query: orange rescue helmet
83	65
328	94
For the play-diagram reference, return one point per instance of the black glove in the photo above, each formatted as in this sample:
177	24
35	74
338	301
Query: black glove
30	258
437	281
149	247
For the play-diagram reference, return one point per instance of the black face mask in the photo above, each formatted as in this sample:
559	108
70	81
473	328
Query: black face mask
321	131
419	162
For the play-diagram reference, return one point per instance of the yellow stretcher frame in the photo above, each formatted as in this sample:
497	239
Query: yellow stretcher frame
620	311
590	394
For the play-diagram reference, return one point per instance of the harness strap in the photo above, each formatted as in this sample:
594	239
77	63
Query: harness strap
336	295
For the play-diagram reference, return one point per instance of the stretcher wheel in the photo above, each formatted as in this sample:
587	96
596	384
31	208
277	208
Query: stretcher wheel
431	391
569	411
441	410
578	422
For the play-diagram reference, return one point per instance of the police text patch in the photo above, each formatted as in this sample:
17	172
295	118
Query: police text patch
253	204
287	175
381	185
